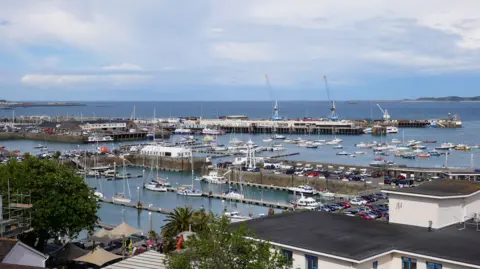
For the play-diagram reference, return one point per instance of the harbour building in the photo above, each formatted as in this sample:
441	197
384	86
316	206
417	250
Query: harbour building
433	226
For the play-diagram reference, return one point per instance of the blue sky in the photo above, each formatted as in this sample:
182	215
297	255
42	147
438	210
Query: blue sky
221	49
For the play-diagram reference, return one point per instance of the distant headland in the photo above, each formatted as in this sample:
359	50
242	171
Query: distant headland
445	99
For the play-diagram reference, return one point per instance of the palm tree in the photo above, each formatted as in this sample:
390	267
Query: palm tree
179	220
201	219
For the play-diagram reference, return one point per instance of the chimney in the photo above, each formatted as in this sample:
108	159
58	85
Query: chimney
429	225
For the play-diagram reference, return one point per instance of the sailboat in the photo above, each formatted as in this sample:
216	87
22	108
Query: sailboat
96	193
121	196
233	194
155	185
189	190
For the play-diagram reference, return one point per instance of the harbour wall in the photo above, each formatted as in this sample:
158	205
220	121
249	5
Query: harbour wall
42	137
282	180
163	163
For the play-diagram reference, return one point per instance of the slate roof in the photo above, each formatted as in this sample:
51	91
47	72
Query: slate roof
442	188
357	239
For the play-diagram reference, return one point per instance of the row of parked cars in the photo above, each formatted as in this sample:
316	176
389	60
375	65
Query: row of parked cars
370	208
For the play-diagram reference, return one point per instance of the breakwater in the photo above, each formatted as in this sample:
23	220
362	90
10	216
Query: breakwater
282	180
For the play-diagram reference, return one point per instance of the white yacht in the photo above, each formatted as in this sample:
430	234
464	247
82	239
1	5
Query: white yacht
391	130
278	148
306	203
232	194
305	189
182	131
362	145
209	131
419	146
338	147
121	198
277	136
235	215
214	178
326	194
155	186
368	130
267	140
396	141
189	191
343	153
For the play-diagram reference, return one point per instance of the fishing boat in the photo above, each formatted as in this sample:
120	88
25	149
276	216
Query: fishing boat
306	203
446	145
232	194
423	155
305	189
214	178
462	147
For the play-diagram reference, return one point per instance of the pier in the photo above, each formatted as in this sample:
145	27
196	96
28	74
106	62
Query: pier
207	195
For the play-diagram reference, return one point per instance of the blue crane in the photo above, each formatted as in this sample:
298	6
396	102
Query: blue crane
275	115
333	114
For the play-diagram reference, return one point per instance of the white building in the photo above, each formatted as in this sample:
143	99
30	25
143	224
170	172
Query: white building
320	240
104	126
443	203
174	152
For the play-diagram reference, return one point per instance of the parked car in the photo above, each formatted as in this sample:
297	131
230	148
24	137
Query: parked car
325	208
368	198
380	195
345	204
335	206
367	215
352	212
358	201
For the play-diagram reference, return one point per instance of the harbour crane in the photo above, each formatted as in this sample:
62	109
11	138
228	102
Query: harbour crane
386	116
275	106
333	114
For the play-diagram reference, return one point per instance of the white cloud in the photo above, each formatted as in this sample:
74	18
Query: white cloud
123	67
242	51
81	79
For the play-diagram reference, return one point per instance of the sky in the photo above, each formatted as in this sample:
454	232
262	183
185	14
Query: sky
222	49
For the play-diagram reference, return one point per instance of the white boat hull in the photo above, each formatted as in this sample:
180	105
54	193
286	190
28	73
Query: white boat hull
155	188
187	193
121	200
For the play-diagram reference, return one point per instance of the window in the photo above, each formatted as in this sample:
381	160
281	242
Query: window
432	265
311	261
375	265
409	263
288	254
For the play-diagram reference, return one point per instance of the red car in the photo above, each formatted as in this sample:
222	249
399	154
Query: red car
365	215
345	204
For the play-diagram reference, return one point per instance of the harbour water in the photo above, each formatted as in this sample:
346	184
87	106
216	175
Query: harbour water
469	112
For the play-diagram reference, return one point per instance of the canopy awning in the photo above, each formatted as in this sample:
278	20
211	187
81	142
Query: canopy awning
98	256
124	230
69	252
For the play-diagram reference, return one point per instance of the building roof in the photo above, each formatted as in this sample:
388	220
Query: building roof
443	188
16	266
6	246
147	260
355	239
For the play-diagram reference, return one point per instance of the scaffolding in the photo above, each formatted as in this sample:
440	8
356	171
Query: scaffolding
15	214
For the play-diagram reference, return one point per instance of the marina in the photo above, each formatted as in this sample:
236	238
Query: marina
299	144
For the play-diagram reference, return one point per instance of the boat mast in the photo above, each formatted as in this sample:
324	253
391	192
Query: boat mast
191	161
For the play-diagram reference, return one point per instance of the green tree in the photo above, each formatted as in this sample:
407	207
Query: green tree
183	219
220	246
57	154
62	204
